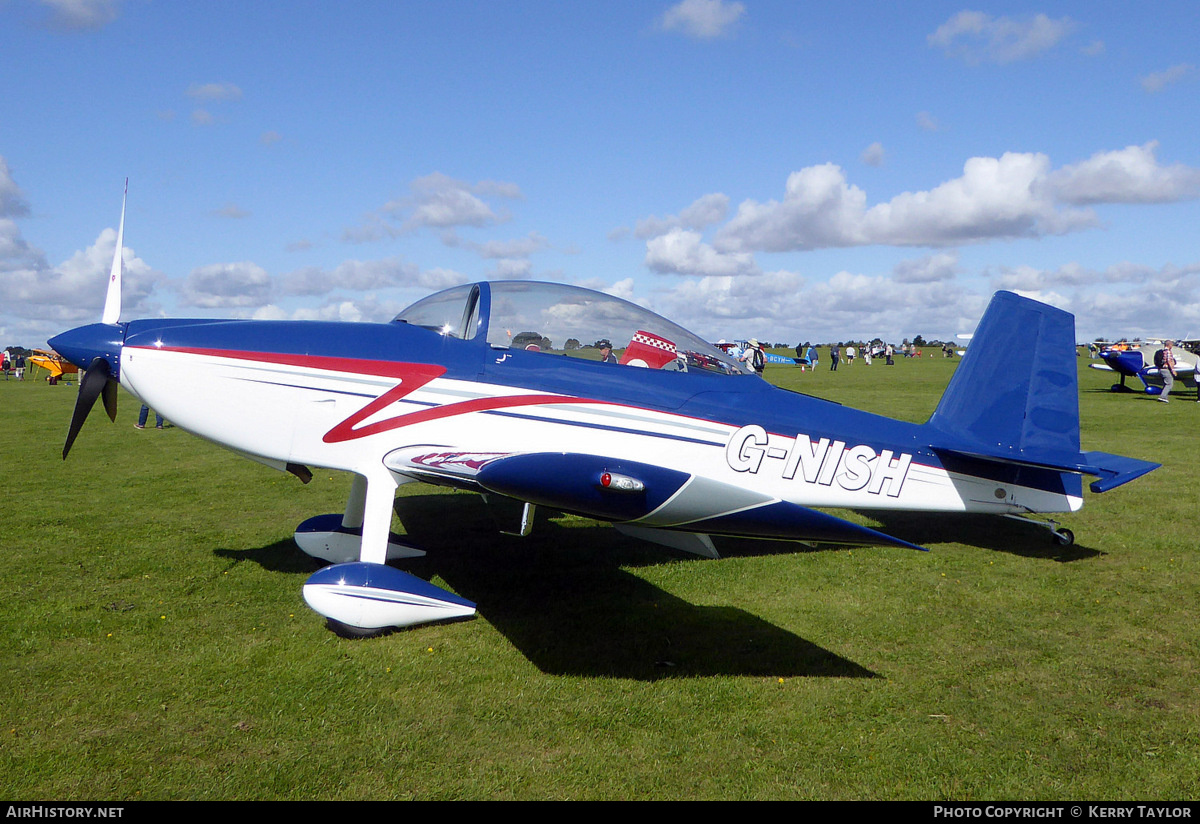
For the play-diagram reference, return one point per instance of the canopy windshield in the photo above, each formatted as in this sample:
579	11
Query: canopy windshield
558	319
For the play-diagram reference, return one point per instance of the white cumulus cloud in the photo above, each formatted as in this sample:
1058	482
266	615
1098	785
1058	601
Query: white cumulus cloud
873	154
702	19
12	199
1157	81
80	15
702	213
214	91
436	201
227	285
928	269
977	37
1129	175
1015	195
683	252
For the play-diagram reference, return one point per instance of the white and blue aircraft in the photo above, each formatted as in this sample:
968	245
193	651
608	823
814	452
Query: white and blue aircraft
1138	362
674	444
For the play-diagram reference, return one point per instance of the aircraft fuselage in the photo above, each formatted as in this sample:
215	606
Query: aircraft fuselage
346	396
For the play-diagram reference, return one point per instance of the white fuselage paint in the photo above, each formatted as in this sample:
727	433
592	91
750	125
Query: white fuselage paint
280	413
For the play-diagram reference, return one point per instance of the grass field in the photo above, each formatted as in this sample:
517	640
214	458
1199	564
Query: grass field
154	643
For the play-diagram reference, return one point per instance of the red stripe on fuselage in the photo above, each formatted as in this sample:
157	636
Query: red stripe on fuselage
359	366
412	376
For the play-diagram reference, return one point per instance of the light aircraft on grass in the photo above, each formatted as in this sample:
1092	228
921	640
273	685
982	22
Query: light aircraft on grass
783	360
53	363
1131	361
769	357
689	446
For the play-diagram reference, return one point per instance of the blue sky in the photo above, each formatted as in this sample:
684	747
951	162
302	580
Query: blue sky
785	170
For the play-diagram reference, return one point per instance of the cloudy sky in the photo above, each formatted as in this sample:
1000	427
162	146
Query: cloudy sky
789	170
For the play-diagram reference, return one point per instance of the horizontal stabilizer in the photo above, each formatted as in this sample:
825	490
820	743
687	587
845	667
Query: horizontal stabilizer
1112	470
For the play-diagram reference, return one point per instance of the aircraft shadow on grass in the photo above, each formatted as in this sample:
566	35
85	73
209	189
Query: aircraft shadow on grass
564	598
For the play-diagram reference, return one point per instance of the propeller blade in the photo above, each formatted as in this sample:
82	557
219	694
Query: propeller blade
110	399
94	381
112	301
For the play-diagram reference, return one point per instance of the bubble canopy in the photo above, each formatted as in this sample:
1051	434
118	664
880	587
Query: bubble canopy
557	319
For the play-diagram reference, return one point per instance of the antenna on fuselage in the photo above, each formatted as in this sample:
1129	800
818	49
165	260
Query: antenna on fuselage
112	302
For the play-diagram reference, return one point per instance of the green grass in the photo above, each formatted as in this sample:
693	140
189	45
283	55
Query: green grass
154	643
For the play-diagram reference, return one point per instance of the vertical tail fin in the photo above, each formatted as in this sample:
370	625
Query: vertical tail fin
1016	392
1014	399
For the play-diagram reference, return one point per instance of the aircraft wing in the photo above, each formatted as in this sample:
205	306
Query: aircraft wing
1180	369
630	492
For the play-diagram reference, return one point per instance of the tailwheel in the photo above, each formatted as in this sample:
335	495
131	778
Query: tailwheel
1063	537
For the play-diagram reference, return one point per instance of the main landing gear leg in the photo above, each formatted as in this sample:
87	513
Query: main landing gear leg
378	501
356	504
363	596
